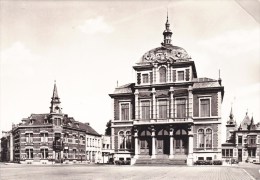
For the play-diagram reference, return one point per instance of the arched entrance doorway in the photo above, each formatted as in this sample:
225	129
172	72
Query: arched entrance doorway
145	142
181	142
163	142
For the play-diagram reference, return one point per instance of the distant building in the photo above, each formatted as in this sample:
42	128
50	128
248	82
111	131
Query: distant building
243	141
50	137
107	152
93	148
169	114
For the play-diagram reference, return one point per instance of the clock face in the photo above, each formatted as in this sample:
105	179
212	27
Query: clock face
57	108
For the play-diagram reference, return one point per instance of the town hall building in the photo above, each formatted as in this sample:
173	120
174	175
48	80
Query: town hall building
169	114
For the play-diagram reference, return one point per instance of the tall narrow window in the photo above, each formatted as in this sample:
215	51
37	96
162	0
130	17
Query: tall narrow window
239	139
29	153
128	140
44	153
181	108
162	72
162	109
29	137
180	75
208	138
121	140
74	153
204	107
201	138
145	78
125	111
44	137
145	110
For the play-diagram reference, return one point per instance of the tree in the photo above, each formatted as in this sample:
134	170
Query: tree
108	129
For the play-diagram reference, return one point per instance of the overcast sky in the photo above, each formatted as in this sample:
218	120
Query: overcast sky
88	46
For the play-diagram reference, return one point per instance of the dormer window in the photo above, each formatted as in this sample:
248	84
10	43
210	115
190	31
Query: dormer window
145	78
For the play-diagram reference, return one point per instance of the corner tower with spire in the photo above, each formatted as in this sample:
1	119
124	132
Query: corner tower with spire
55	101
231	125
167	33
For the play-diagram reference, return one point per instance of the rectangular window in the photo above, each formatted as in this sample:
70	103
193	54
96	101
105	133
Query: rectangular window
204	107
223	153
162	109
239	139
125	111
74	153
209	158
180	75
251	140
44	137
181	108
145	78
29	153
145	110
29	137
201	158
44	153
66	153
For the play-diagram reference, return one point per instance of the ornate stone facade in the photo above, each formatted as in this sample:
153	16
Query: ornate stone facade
169	113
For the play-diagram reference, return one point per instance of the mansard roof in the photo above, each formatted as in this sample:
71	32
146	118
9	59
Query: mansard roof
124	89
205	83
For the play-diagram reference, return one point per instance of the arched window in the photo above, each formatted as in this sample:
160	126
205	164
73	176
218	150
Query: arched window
162	72
201	138
208	138
181	132
128	140
121	140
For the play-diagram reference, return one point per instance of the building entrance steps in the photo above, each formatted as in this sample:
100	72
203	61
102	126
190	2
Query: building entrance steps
161	160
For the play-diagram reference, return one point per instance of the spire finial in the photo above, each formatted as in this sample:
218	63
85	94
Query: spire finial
167	33
167	15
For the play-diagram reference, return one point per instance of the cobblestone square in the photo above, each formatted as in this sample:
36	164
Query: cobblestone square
78	172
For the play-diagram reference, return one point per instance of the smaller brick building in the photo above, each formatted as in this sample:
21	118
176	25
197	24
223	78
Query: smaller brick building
51	137
243	141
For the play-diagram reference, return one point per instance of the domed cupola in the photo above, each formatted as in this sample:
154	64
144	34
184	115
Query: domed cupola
166	52
167	34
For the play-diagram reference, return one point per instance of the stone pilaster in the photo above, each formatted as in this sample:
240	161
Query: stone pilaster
136	105
190	101
190	155
171	143
153	143
136	144
171	103
154	104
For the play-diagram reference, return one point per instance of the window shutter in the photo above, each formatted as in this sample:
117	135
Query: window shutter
151	77
187	74
174	76
138	78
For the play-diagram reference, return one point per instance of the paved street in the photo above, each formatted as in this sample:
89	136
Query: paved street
64	172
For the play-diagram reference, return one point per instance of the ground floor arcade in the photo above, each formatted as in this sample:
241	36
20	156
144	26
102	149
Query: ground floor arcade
163	141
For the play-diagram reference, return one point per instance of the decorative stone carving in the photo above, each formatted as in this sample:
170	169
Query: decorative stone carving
166	54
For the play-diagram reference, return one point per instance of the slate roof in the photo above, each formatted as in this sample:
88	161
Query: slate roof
40	119
124	89
205	83
246	122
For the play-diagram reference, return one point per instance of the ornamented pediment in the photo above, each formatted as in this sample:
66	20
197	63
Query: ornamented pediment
166	54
